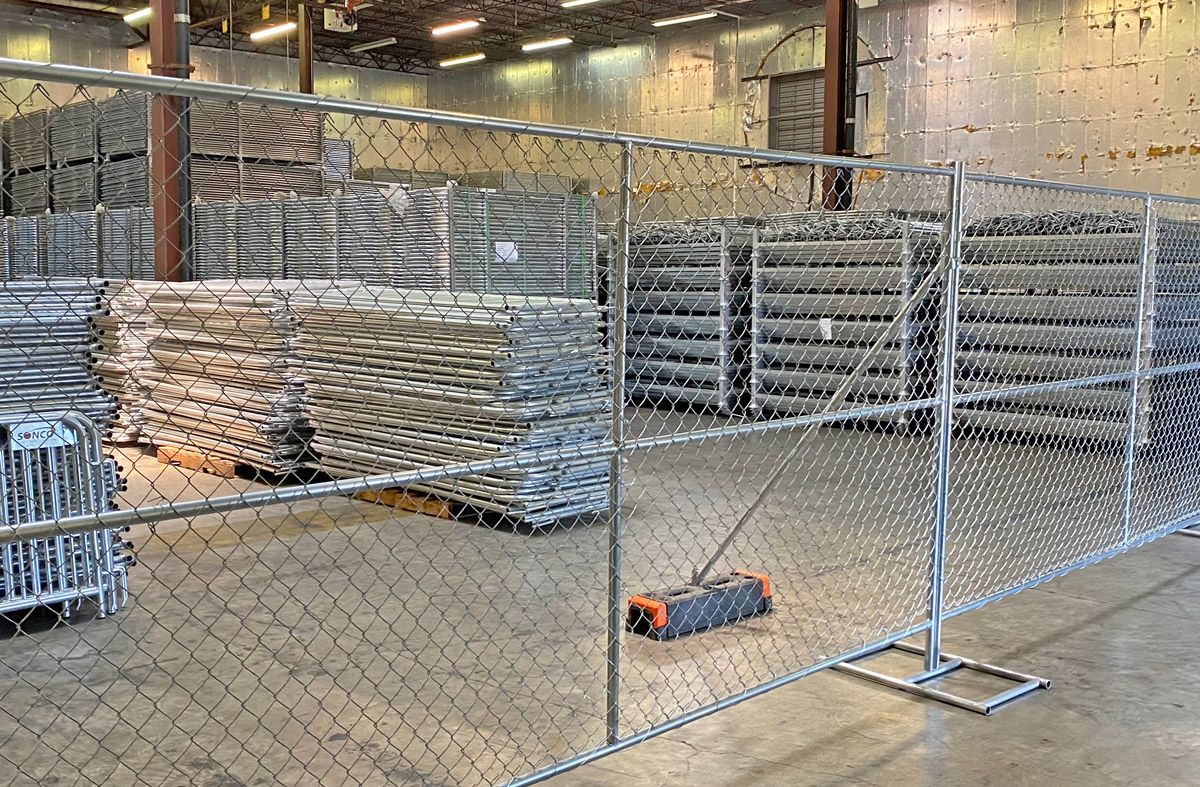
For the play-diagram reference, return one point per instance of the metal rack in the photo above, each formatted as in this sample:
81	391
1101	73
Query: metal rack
52	467
689	338
824	290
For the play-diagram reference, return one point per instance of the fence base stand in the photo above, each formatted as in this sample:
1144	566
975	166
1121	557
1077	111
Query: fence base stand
1189	531
949	663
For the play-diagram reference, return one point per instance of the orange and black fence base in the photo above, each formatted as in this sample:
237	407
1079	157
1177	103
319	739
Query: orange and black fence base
663	614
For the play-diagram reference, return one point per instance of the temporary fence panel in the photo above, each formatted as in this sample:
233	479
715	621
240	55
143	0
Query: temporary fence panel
612	366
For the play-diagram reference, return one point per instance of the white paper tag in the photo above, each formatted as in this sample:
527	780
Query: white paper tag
36	435
826	324
506	252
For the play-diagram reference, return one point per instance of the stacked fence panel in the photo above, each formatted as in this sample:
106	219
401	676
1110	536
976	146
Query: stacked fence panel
1053	296
401	379
505	241
221	381
688	337
833	307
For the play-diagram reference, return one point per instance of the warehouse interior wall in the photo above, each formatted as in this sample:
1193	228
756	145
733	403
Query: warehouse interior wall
46	36
1094	91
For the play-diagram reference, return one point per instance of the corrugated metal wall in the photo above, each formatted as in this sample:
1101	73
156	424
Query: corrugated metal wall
1098	91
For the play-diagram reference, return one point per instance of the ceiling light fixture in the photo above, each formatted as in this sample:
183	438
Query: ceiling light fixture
549	43
373	45
458	61
274	31
454	27
683	20
134	18
577	3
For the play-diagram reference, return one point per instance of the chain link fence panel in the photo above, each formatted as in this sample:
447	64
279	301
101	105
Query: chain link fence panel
434	397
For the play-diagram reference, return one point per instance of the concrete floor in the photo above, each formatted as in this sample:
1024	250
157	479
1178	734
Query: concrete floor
1117	639
336	641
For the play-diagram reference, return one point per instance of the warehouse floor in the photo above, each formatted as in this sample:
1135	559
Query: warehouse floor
346	642
1118	640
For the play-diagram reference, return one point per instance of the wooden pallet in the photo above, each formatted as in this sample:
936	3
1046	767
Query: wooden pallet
194	460
408	501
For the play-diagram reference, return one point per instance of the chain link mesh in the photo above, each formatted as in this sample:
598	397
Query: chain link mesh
390	474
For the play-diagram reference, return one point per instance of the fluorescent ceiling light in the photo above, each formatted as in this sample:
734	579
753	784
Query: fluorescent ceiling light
137	17
458	61
549	43
683	20
373	45
577	3
454	27
274	31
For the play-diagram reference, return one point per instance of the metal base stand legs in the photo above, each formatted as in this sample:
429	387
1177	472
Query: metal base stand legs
949	663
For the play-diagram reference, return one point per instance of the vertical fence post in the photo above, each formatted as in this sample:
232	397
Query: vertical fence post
618	302
952	248
1142	343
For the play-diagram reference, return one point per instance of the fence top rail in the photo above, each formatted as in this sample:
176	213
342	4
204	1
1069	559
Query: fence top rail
1078	188
12	68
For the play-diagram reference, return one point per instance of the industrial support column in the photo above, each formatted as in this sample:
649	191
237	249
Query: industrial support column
304	34
169	30
841	88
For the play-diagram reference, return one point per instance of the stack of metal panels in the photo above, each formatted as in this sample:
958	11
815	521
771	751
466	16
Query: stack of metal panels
337	161
26	142
72	244
503	241
238	239
124	184
51	467
510	180
825	289
124	325
310	238
280	134
73	188
214	129
127	243
221	380
402	379
371	243
48	338
25	246
215	180
29	193
1050	297
688	337
73	132
265	180
123	124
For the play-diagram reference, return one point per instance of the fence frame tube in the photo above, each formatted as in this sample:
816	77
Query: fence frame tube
945	419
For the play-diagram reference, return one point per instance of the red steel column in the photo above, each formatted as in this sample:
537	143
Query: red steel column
304	34
841	87
169	30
